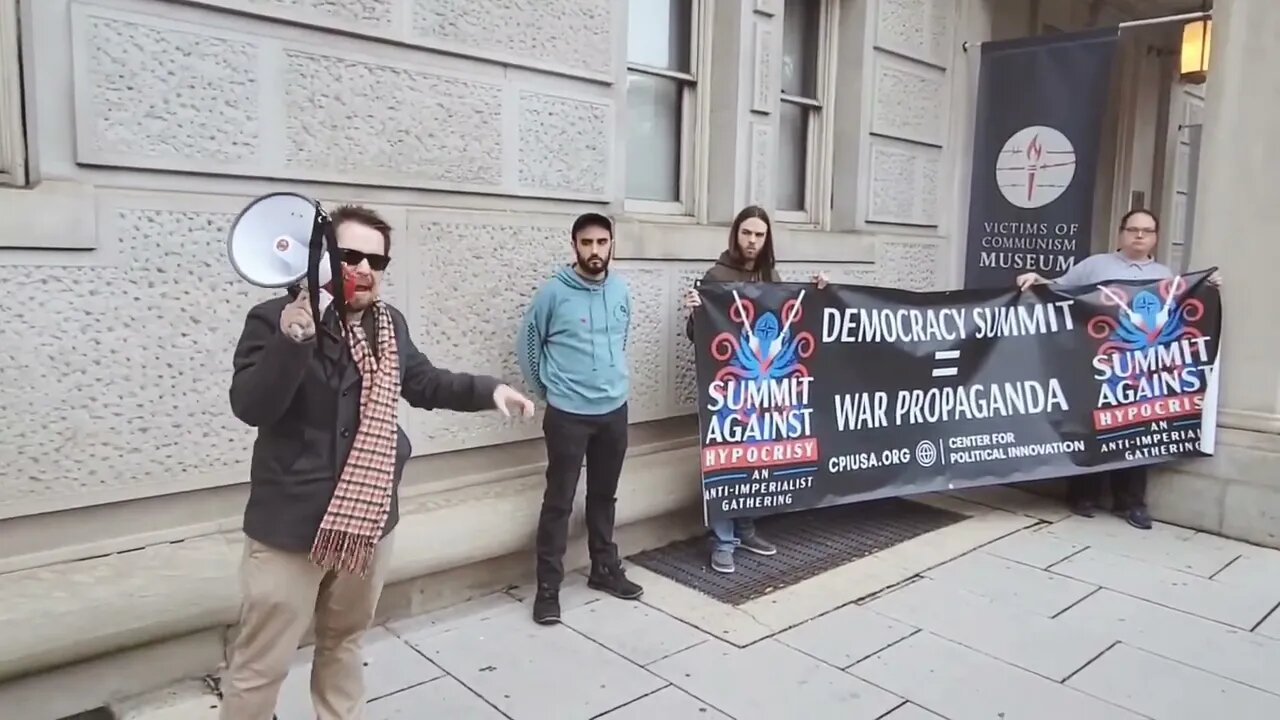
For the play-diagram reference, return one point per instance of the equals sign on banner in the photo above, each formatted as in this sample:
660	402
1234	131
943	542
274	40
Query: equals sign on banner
942	356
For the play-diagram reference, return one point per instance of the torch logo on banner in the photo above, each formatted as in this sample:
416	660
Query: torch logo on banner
1153	363
1035	166
759	400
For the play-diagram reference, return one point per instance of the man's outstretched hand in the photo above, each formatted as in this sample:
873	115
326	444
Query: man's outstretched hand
506	400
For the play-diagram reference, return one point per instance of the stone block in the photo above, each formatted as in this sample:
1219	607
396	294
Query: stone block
564	144
769	680
908	265
956	682
572	34
1159	688
843	637
370	16
527	670
158	331
1230	653
1037	591
910	100
1235	606
161	92
385	123
903	183
920	29
652	319
1005	632
1252	511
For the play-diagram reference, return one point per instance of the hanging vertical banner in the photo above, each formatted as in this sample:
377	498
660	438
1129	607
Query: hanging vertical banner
1041	101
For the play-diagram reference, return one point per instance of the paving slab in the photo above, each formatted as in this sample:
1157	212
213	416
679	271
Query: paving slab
1167	690
443	698
390	666
790	606
1241	607
669	703
1016	501
1041	592
534	672
1271	626
1230	652
1258	570
962	684
843	637
1166	545
1034	547
769	680
445	619
1006	632
699	610
574	592
912	712
633	630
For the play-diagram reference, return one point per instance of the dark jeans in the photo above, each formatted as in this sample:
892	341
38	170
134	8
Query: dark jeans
1128	488
602	441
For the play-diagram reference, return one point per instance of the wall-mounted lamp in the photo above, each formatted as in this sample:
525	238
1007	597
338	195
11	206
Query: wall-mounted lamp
1194	66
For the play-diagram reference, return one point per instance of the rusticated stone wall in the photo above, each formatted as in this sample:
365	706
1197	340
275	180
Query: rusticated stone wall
440	113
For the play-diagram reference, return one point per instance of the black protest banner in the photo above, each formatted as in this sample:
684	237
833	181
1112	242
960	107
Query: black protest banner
1040	106
809	397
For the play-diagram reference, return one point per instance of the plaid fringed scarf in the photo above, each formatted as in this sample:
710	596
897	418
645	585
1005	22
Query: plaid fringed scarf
353	524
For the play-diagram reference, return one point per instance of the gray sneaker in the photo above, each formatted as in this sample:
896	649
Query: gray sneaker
722	560
757	545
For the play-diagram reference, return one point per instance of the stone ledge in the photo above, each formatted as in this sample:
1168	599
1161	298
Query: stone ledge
62	614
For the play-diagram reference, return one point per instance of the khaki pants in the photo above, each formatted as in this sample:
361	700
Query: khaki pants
282	592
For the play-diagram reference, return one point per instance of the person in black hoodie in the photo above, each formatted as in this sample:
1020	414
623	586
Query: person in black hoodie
749	258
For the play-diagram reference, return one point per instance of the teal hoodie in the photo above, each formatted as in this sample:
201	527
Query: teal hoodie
572	345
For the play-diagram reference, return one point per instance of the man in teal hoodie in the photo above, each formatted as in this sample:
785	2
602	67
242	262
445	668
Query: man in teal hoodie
572	351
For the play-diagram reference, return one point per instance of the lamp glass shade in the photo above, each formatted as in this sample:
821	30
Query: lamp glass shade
1194	65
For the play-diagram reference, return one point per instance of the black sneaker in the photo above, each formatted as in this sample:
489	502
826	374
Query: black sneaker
1139	518
546	606
613	580
757	545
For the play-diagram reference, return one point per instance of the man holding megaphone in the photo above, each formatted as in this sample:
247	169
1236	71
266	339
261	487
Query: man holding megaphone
326	469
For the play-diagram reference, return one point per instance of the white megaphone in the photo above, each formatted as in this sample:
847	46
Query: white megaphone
269	244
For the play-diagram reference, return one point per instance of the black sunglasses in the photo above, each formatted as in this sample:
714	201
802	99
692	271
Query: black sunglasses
354	257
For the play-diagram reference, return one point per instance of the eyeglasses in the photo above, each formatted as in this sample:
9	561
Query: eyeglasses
1140	230
354	257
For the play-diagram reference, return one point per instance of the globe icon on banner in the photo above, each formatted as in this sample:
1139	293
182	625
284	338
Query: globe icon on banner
1035	166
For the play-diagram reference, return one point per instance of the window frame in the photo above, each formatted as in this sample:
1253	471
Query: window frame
691	118
818	147
13	133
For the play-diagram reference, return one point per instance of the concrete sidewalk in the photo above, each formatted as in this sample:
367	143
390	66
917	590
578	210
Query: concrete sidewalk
1060	618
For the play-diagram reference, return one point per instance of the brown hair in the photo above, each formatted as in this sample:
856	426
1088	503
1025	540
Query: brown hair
364	216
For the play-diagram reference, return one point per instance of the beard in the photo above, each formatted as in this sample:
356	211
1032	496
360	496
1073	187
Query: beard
593	264
362	290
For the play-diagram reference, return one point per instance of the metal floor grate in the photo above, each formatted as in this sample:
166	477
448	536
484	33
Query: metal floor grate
810	542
